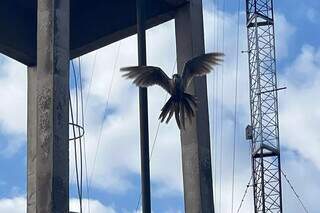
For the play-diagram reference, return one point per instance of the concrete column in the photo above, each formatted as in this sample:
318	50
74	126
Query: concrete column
196	157
52	182
31	139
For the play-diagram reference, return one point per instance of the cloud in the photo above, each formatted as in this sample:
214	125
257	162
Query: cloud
95	206
284	33
18	205
13	77
13	106
13	205
299	111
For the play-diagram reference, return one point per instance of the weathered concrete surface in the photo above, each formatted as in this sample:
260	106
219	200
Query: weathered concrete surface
52	182
32	139
196	157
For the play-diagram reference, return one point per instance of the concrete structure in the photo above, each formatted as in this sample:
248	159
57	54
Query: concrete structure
31	139
40	39
195	141
48	86
92	25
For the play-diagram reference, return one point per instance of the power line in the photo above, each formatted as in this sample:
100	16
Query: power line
91	78
244	195
221	37
74	124
215	94
295	192
84	140
214	102
83	114
80	138
105	113
235	111
291	186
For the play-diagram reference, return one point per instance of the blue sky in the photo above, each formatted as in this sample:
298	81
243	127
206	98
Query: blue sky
115	186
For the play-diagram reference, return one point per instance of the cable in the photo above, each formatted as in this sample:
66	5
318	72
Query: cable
244	196
84	141
222	109
81	136
84	112
74	134
75	137
214	85
217	93
105	113
80	139
235	110
295	192
90	82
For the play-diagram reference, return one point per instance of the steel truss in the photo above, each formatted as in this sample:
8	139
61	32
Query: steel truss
264	107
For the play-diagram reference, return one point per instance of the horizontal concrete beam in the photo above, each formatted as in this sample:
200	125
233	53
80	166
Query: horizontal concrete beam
118	35
93	25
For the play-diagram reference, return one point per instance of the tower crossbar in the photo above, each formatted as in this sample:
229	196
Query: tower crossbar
264	129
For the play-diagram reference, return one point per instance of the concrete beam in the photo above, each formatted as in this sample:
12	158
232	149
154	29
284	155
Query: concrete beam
52	153
196	154
177	3
113	20
118	35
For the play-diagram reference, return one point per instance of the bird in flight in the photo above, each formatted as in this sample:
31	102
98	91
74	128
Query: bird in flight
181	104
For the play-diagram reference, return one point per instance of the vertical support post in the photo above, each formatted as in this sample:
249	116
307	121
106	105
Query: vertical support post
143	107
196	153
52	154
32	139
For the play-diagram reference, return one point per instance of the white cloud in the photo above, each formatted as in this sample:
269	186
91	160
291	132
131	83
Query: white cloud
18	205
13	77
13	205
13	105
284	32
300	114
95	206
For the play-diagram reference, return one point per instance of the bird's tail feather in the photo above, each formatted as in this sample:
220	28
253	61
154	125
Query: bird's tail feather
183	109
182	115
189	112
191	99
170	114
167	109
177	114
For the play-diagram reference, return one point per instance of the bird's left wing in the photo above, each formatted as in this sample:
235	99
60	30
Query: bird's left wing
199	66
144	76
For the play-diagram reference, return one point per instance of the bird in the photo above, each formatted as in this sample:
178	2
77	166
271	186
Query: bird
182	104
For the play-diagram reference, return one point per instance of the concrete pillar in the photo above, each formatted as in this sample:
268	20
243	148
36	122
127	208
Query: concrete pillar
196	157
32	139
52	151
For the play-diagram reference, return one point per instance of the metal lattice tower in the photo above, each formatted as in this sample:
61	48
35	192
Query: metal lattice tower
264	129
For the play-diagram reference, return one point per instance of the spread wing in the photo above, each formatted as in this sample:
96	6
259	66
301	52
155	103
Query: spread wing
199	66
145	76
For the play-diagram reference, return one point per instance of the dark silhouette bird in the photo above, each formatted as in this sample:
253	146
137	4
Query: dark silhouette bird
181	104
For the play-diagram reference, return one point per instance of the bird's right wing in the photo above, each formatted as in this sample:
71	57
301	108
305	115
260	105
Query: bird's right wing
200	66
144	76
